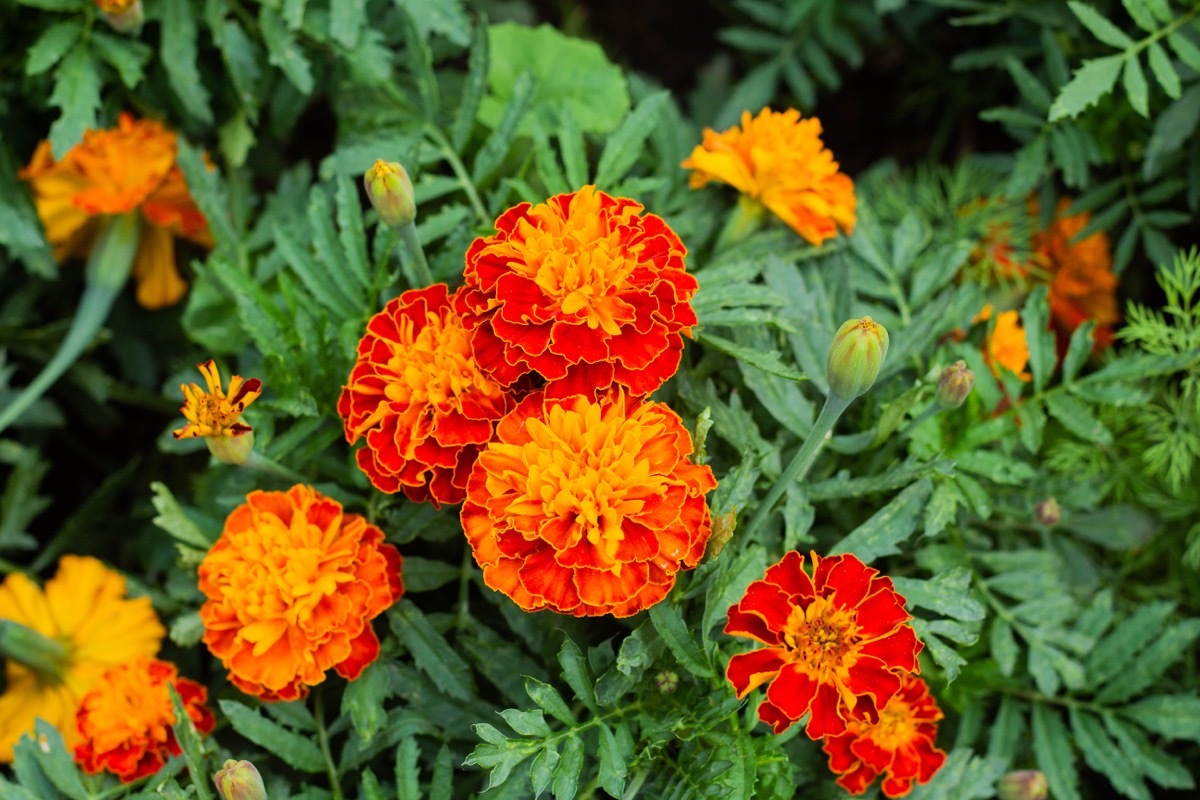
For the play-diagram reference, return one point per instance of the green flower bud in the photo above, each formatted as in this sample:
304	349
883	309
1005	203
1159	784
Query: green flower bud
954	385
1048	512
234	450
667	681
857	353
391	193
239	780
1026	784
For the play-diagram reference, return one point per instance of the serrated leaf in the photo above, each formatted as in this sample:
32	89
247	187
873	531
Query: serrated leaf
768	361
52	45
1164	70
432	654
1078	418
996	467
364	700
613	759
77	94
1135	86
443	17
1028	168
947	593
1038	338
1102	755
566	774
1078	351
668	621
1160	767
1151	662
894	523
298	751
1090	82
1052	748
473	88
1142	17
346	20
284	51
1176	716
178	57
241	58
1185	48
210	194
1100	27
549	700
501	140
943	507
172	519
575	673
625	144
1004	646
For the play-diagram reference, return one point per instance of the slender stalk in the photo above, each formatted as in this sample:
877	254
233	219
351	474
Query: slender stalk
746	220
464	589
421	276
35	650
929	411
801	462
460	172
335	785
261	463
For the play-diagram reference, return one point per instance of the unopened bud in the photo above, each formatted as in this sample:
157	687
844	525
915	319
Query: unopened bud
124	16
667	681
1048	512
1026	784
723	526
232	450
239	780
391	193
857	353
954	385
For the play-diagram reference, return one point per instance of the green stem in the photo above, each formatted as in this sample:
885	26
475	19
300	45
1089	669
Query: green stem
37	651
335	786
460	172
801	462
464	589
746	220
262	464
929	411
108	269
420	276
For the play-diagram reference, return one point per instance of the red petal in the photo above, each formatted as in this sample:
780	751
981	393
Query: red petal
748	671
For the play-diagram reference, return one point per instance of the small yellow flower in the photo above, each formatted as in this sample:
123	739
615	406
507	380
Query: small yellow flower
216	413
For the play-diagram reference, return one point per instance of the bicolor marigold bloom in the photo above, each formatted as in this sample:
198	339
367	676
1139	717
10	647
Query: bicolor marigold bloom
419	399
216	412
125	721
836	641
1082	283
899	746
292	584
119	171
578	294
85	608
778	159
1006	345
587	507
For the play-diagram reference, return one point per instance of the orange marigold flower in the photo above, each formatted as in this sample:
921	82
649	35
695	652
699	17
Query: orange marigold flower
778	159
581	292
1082	283
118	171
419	399
125	720
899	746
1006	346
85	608
839	640
587	507
216	412
292	584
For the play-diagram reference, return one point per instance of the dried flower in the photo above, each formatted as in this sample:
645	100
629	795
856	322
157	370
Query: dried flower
391	193
125	720
418	398
855	357
216	414
292	584
239	780
838	644
778	159
83	606
587	507
1006	346
954	384
118	171
578	294
899	745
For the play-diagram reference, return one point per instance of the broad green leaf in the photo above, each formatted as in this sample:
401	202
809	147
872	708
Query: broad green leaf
1102	755
427	574
52	45
625	144
77	94
1077	418
172	519
882	534
675	633
541	769
432	654
178	57
613	759
1092	81
1135	86
1055	756
1164	70
57	762
364	700
768	361
1100	27
527	723
300	752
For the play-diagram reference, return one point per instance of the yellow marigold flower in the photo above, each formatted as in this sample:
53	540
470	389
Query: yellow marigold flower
127	168
83	607
1006	346
778	159
216	412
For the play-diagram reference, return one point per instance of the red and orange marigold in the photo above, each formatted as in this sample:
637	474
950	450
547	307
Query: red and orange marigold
587	507
578	294
899	746
292	584
1082	283
419	399
832	640
125	721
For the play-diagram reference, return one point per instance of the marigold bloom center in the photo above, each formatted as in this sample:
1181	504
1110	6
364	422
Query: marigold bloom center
897	725
822	638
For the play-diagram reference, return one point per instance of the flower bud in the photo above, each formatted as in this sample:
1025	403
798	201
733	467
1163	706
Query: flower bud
391	193
1048	512
667	681
239	780
723	526
1026	784
857	353
954	385
124	16
233	450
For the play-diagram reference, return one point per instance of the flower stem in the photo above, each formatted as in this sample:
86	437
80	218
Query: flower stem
419	275
335	785
34	650
108	268
746	220
261	463
802	461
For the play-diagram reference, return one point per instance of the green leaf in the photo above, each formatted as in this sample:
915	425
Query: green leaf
575	673
443	17
126	56
1102	755
283	51
566	774
188	739
1185	48
52	45
768	361
549	700
1136	88
473	88
1100	27
1078	351
624	145
1164	70
574	151
613	758
943	507
241	58
1055	757
352	234
298	751
77	93
1028	168
420	67
1151	662
500	141
1004	646
996	467
210	194
1142	15
527	723
172	519
894	523
433	655
56	761
573	77
427	574
1176	716
364	700
1038	337
668	621
1028	85
1077	418
178	57
1092	81
441	787
408	773
947	593
1160	767
346	21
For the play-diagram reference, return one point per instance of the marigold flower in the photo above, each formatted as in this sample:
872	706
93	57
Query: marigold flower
419	399
83	606
127	168
292	584
587	507
899	746
1006	346
779	159
125	720
1082	284
216	412
581	292
837	641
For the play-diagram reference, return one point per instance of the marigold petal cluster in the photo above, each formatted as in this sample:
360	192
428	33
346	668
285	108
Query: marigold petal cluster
1082	284
1006	346
587	507
83	606
898	746
118	171
778	159
216	412
292	584
578	294
838	643
124	722
418	398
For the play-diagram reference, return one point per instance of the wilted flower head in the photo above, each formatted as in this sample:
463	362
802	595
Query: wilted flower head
239	780
778	159
578	294
838	644
856	356
587	507
292	584
125	721
85	607
391	193
119	171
